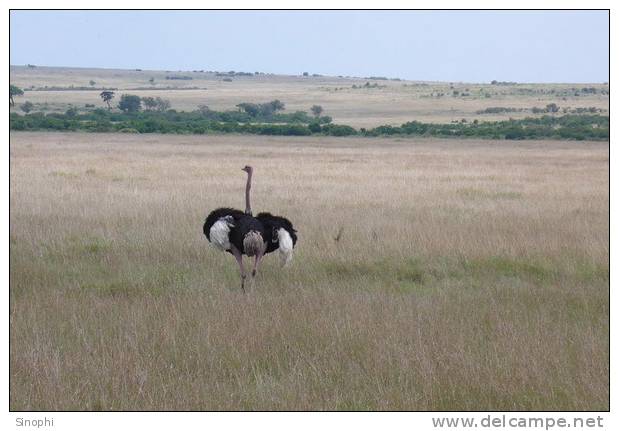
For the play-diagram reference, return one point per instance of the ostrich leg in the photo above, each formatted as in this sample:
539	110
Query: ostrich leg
256	262
239	259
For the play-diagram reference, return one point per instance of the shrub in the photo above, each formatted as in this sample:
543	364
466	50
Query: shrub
515	133
163	104
149	102
316	110
338	130
496	110
129	103
27	106
314	127
262	110
178	77
251	109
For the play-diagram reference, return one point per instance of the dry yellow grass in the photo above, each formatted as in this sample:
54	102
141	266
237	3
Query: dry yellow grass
395	104
469	275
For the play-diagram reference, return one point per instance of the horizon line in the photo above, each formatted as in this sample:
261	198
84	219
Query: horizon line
138	69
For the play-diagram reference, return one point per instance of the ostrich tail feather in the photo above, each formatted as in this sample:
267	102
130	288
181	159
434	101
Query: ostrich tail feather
285	247
253	243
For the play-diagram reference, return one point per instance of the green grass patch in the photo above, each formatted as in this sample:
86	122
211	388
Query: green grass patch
113	288
589	271
472	193
500	266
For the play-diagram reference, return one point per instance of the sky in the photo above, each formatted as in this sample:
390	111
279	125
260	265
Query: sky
458	46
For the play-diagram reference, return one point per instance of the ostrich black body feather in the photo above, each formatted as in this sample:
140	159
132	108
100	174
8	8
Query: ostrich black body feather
216	215
271	225
242	224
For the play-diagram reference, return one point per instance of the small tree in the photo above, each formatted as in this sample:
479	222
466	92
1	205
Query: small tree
316	110
92	83
162	104
250	108
130	103
27	107
204	109
107	97
276	105
152	81
149	102
552	107
268	109
14	91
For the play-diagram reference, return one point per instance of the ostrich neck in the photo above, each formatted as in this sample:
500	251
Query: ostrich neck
247	189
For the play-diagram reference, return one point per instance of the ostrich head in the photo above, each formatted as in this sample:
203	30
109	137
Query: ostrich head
248	169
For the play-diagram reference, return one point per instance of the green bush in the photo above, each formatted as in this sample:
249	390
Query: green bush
27	106
578	127
129	103
338	130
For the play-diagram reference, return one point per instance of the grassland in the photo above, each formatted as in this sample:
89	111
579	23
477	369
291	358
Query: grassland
469	274
390	103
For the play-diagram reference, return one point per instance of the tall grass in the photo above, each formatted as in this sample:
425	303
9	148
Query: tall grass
467	275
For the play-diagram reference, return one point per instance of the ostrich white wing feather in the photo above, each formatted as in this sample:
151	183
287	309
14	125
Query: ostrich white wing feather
285	246
219	234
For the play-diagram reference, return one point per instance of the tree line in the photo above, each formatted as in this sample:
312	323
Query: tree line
578	127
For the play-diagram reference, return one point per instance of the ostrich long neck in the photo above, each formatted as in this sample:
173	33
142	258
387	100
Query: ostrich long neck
247	189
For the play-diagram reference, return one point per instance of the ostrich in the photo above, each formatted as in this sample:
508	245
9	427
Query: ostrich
238	233
279	234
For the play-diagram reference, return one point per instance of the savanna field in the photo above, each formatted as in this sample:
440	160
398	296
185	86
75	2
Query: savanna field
430	274
466	274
